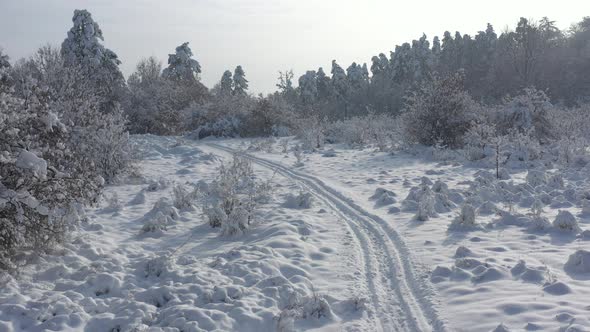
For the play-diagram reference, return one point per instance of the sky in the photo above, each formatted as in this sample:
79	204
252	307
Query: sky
265	36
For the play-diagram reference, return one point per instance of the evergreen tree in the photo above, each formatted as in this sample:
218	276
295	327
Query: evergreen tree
240	81
340	85
226	83
181	66
82	49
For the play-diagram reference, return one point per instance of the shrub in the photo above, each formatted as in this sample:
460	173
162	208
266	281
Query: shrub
232	199
301	201
183	197
439	111
466	219
566	222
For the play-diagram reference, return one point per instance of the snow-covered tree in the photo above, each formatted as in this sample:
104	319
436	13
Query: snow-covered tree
240	81
440	112
181	65
4	72
528	112
83	48
226	83
308	87
323	85
340	86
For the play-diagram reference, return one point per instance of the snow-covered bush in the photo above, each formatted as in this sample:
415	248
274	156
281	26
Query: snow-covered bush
426	203
159	184
527	113
465	219
536	178
160	216
184	197
566	222
311	132
231	200
358	132
440	111
41	178
303	200
298	153
314	306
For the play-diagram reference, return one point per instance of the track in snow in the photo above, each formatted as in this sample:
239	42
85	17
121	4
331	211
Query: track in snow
400	298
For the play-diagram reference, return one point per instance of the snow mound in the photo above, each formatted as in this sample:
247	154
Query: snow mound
383	197
578	262
529	274
138	199
463	252
557	288
157	185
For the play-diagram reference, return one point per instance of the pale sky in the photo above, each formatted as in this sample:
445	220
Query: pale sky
265	36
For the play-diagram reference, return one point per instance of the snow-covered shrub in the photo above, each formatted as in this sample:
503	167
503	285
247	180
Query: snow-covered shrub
426	203
358	132
262	144
41	177
465	219
184	197
303	307
566	222
537	207
162	214
539	223
556	181
440	111
527	113
62	135
479	140
233	197
311	132
156	266
298	153
536	178
114	203
159	184
284	144
384	197
155	223
303	200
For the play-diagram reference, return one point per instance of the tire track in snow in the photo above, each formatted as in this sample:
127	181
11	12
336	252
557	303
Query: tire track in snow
400	297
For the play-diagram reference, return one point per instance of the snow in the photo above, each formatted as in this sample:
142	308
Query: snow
509	272
339	244
293	267
30	161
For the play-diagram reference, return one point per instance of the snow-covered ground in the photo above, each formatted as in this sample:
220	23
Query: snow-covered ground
339	246
509	268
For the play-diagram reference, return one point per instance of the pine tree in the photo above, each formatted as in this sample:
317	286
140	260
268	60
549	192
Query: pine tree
323	85
341	86
82	48
240	81
226	83
181	65
308	87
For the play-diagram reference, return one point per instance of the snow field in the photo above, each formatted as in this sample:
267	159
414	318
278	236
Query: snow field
143	263
514	266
